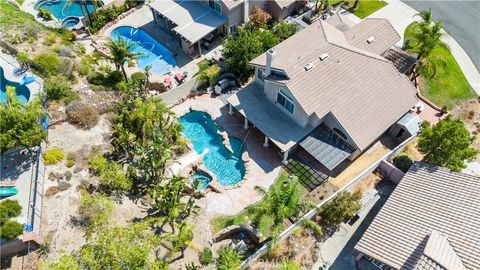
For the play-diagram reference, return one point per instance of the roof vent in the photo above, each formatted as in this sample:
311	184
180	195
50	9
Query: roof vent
309	66
371	39
323	56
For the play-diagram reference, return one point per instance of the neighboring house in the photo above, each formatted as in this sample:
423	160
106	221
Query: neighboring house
327	91
431	221
192	23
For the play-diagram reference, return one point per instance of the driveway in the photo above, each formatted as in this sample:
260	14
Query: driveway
460	19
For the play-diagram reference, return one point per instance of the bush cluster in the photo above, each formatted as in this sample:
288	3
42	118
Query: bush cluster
10	229
71	159
83	116
53	156
49	63
403	162
103	16
206	256
99	79
58	88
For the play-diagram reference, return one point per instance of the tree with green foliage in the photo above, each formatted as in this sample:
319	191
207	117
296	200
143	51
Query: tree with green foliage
173	201
111	174
122	52
116	247
240	49
284	30
426	37
147	134
20	124
344	206
228	259
208	73
10	229
178	242
447	144
281	202
95	211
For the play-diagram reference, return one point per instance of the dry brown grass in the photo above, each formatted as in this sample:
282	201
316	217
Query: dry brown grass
83	116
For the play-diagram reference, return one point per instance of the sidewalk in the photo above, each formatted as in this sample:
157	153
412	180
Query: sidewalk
401	15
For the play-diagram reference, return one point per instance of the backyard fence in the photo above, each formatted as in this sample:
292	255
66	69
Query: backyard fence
283	235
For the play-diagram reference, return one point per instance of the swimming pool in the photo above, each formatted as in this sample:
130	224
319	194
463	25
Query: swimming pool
61	10
152	52
199	128
23	93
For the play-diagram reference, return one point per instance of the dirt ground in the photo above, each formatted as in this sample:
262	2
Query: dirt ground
469	113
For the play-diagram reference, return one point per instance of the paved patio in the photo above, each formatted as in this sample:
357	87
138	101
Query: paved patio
264	165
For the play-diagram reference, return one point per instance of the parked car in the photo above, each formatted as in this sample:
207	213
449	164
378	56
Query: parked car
222	85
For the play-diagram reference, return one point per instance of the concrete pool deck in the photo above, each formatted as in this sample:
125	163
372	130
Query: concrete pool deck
264	165
10	64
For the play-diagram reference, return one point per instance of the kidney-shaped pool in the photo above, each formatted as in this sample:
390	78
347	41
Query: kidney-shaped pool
199	128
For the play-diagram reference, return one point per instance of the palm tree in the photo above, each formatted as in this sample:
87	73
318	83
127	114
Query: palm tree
281	202
84	6
22	58
122	51
426	37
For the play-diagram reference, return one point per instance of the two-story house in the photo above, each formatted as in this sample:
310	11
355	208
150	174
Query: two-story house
327	91
193	23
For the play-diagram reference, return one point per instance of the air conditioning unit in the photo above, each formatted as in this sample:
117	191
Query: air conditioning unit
370	39
323	56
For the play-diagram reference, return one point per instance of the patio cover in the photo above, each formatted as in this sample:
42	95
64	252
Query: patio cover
282	130
326	147
194	20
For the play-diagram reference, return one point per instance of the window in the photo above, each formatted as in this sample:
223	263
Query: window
260	74
233	29
340	133
215	5
285	101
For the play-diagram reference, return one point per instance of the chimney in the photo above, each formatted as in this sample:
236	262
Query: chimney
268	64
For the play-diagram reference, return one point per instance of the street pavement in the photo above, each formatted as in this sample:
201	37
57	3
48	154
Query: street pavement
461	19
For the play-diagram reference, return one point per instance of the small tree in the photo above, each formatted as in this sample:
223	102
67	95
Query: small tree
20	124
228	259
259	17
111	173
447	144
11	229
9	209
341	208
122	52
284	30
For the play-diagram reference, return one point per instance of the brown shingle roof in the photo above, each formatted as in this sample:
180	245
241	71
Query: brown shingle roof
364	91
428	199
381	29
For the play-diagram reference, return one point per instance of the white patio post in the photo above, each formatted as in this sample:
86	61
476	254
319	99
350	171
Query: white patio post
230	109
245	126
265	144
199	48
285	157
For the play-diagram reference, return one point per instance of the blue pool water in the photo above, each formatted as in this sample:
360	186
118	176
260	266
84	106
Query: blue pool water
152	52
61	10
202	179
199	128
23	93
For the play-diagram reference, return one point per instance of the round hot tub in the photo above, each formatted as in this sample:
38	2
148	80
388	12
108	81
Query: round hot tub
70	22
201	179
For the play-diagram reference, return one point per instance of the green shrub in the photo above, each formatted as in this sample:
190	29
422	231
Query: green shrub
71	159
67	35
97	78
53	156
9	209
83	116
67	67
208	74
58	88
45	14
111	173
103	16
402	162
11	229
49	63
206	256
138	77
